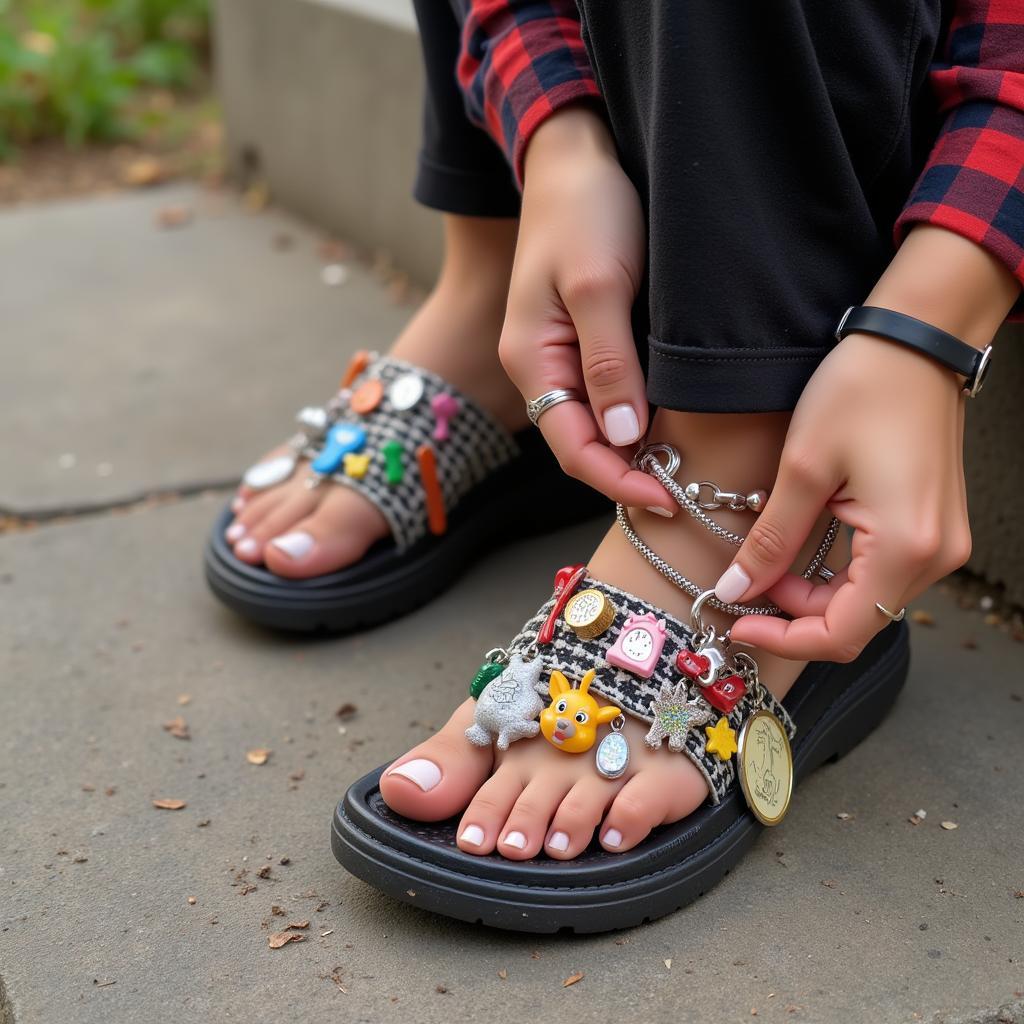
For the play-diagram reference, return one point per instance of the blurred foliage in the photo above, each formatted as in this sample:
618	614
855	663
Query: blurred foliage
77	70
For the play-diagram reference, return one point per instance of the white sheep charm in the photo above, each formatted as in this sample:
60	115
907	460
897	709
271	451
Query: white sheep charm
509	706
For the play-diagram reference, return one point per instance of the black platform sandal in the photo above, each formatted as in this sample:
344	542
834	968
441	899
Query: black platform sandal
451	482
657	670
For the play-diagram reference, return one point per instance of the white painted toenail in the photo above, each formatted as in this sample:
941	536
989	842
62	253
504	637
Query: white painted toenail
247	546
516	839
238	504
559	841
472	834
295	545
234	532
612	838
424	773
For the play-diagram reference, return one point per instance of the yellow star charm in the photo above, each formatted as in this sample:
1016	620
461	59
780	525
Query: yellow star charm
356	465
721	739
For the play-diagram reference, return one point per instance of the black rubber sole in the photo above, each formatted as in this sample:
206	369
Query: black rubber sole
835	708
529	496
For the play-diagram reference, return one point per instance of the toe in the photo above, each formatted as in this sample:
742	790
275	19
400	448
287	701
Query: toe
485	817
437	779
573	824
294	508
654	796
336	534
527	825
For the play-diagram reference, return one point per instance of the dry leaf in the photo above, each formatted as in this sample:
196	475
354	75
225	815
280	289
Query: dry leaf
184	698
173	216
668	963
347	710
146	170
178	728
258	756
922	618
276	910
503	974
829	883
535	955
169	805
572	979
298	924
844	816
949	825
1018	894
278	939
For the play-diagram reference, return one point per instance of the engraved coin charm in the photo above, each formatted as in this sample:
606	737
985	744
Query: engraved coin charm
589	613
612	758
405	391
765	767
267	474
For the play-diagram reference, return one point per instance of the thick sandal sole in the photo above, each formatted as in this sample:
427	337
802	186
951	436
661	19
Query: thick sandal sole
528	497
419	863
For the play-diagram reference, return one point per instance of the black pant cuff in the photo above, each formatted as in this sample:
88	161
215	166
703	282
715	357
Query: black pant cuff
466	193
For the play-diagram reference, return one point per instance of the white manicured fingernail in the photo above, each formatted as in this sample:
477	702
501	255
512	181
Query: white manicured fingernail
424	773
621	425
295	545
516	839
238	504
660	510
559	841
732	585
472	834
234	532
613	838
247	547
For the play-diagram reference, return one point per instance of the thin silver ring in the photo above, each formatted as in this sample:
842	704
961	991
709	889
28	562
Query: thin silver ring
538	406
897	617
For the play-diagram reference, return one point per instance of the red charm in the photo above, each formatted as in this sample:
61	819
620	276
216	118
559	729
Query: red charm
691	664
725	693
567	579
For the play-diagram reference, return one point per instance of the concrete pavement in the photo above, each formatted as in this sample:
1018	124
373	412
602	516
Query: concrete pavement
109	635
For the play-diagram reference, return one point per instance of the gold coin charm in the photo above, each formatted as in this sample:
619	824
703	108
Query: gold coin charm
589	613
765	765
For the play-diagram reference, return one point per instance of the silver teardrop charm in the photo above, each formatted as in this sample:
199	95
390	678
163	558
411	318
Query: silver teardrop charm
612	757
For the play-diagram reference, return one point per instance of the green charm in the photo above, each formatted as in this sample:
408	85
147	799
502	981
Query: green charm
487	672
393	468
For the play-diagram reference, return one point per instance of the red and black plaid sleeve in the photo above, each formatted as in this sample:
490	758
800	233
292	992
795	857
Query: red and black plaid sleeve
521	60
973	183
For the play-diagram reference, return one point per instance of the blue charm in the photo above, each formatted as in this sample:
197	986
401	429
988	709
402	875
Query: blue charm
342	439
612	757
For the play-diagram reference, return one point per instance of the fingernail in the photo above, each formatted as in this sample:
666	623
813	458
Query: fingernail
732	585
516	839
234	532
238	504
612	838
247	547
621	425
294	545
660	510
559	841
424	773
472	834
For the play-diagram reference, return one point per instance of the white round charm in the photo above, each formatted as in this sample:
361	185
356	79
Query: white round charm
405	391
266	474
765	767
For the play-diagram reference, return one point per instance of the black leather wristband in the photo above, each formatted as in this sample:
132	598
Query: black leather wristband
951	352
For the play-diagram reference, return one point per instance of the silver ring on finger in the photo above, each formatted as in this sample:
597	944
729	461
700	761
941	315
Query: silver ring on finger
538	406
891	616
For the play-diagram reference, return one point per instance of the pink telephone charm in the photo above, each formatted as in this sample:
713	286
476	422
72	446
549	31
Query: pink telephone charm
638	646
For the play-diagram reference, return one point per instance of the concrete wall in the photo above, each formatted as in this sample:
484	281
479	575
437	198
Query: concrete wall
322	100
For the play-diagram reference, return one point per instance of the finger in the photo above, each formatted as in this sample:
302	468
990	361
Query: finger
798	597
802	489
572	434
611	369
848	621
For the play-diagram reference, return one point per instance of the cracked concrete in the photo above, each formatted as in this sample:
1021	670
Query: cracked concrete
107	624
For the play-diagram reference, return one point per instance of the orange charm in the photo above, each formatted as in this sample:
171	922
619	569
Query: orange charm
437	518
367	396
359	362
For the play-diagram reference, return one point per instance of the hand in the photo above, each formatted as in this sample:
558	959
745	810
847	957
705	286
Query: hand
876	438
579	262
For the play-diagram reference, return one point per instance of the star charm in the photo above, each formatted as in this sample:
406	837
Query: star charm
721	739
674	717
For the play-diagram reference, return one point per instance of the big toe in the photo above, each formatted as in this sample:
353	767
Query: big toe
336	534
438	778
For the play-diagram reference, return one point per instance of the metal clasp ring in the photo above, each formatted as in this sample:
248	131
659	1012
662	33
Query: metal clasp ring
652	451
696	622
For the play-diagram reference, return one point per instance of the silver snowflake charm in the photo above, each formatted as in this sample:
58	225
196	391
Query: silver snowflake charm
675	716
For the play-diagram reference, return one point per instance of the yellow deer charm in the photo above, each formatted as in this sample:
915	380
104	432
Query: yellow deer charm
570	721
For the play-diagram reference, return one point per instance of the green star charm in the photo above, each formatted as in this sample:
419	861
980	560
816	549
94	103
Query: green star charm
674	717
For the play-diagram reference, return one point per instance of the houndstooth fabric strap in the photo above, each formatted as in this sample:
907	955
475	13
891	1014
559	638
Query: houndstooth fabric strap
476	446
574	657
